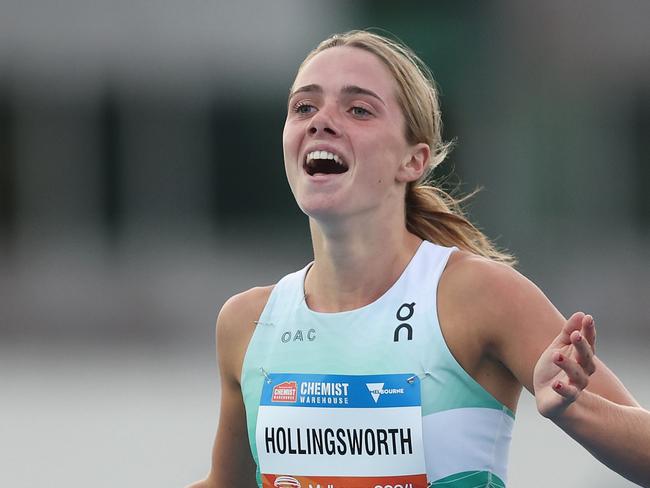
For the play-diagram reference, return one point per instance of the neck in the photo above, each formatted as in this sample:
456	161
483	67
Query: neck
356	263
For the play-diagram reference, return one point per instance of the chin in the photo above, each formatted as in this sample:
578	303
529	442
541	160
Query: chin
320	212
321	208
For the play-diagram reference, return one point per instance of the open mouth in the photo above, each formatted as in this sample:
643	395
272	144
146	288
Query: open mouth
324	162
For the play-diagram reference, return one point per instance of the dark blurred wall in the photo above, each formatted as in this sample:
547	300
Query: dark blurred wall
128	130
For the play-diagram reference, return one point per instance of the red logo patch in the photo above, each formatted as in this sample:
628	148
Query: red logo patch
285	392
286	481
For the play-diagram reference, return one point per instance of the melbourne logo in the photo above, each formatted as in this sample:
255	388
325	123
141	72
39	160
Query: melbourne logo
286	482
285	392
377	389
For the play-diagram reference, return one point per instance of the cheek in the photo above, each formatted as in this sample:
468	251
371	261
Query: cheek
285	138
381	161
290	142
288	146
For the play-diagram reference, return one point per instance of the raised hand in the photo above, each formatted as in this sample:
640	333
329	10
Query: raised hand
564	368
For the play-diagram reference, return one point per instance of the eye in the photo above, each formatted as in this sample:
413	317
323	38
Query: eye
303	108
360	112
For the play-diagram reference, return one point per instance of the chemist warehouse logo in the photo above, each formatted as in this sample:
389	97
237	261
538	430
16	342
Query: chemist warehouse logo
285	392
377	389
286	482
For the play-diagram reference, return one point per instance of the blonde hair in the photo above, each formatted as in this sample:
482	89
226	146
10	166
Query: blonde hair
431	213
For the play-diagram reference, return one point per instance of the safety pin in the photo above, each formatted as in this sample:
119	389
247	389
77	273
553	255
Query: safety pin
266	375
257	322
411	379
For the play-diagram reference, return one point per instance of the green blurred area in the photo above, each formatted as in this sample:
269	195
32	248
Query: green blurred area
557	136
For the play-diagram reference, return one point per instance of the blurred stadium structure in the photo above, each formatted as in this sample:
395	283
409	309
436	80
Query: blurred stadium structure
141	184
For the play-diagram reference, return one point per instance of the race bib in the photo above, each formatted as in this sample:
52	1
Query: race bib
341	431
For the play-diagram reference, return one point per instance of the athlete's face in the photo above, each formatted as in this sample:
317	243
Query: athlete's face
345	149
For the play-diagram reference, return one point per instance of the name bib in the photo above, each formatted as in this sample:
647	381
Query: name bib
341	431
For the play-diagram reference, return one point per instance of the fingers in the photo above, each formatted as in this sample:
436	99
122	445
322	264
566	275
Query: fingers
584	353
569	392
574	323
576	374
581	322
589	330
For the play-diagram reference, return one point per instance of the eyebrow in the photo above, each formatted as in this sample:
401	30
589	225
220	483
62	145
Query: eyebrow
346	90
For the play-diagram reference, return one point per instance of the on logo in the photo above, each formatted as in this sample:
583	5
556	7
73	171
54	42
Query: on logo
404	313
286	482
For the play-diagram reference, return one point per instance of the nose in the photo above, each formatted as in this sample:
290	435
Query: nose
323	122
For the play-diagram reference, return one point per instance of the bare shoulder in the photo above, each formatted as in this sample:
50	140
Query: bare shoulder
466	268
241	309
235	326
497	323
495	312
491	290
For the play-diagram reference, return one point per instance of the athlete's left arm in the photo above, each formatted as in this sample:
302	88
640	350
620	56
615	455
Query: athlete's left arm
574	389
554	359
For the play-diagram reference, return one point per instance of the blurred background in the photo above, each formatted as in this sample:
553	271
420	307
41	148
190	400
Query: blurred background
142	183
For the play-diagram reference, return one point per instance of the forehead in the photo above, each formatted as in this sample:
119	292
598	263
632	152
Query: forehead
341	66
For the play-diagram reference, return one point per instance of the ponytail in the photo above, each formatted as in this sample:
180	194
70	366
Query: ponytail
436	216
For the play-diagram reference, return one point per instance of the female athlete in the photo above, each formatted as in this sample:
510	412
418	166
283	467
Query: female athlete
397	357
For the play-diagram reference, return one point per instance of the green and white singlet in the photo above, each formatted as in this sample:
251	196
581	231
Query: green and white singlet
369	398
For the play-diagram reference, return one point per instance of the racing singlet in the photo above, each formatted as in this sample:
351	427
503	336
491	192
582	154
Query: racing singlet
369	398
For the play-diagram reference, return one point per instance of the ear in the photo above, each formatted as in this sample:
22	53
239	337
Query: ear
415	164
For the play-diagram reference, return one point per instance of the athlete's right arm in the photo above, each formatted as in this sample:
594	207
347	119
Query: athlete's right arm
232	462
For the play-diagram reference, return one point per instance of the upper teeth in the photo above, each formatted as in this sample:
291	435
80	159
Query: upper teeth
323	155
